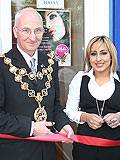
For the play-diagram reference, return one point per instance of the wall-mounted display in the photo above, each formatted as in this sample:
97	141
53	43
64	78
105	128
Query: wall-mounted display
57	35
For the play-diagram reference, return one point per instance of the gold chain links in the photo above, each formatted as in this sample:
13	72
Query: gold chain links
40	113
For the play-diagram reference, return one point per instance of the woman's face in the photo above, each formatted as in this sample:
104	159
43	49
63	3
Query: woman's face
100	58
55	25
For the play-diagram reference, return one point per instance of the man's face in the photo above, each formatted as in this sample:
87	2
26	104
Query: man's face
29	32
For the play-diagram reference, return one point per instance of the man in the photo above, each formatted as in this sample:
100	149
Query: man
29	100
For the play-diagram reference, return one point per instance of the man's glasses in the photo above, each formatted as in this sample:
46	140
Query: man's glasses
26	32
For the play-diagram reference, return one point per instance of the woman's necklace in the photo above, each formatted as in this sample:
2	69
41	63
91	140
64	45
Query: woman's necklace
40	113
100	110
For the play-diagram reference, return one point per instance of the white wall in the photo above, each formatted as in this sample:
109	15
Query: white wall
96	14
5	26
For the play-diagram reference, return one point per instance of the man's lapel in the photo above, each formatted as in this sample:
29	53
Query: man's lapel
19	61
42	63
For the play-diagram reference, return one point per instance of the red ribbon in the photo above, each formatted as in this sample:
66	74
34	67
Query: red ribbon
88	140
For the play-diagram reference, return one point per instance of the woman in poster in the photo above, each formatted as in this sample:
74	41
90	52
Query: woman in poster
58	35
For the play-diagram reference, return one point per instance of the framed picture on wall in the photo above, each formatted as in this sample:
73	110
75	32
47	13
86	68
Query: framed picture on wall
57	34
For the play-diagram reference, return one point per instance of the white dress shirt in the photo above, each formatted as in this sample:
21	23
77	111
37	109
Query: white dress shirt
28	58
102	92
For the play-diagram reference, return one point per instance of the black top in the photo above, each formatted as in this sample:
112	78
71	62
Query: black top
88	104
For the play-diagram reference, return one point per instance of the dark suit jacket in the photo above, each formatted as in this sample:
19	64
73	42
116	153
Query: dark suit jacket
16	110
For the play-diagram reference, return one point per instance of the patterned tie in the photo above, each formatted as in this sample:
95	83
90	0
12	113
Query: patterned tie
32	63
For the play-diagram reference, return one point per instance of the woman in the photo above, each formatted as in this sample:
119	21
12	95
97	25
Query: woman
57	24
94	100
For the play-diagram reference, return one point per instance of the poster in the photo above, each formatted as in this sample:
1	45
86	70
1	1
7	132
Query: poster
57	34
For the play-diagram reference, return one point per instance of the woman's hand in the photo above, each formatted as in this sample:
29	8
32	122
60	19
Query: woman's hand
112	119
93	120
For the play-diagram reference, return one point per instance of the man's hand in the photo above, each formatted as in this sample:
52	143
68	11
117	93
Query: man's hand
67	130
41	128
